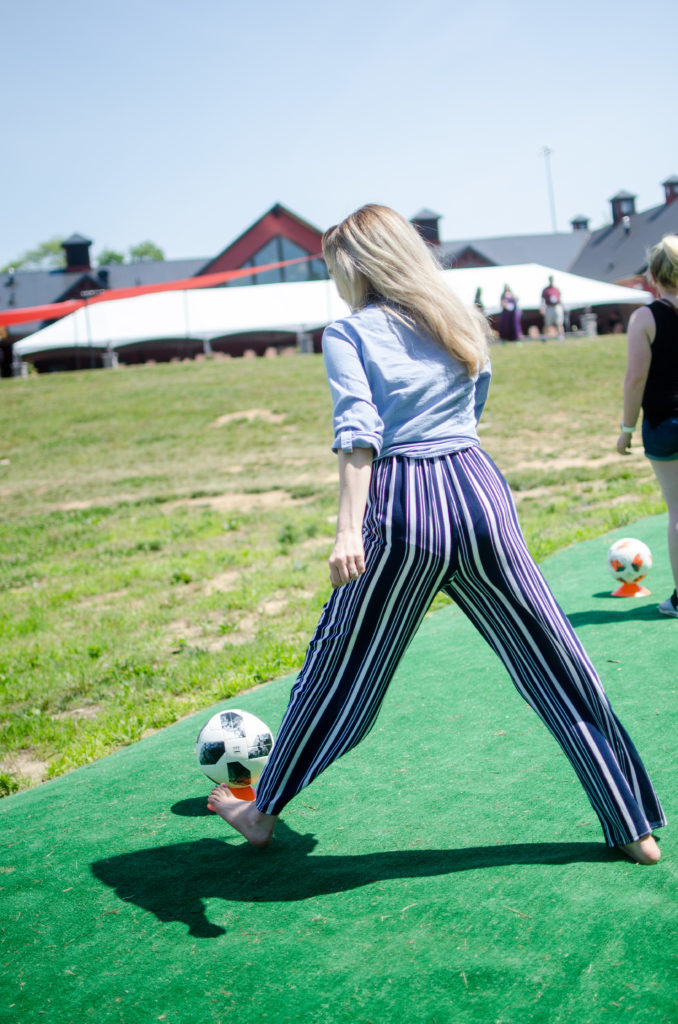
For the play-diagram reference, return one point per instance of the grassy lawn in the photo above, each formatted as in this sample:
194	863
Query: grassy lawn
165	529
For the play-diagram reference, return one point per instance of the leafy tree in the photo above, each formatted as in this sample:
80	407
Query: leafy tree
50	254
47	254
145	251
108	256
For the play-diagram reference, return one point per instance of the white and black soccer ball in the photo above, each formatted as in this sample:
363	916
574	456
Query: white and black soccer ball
233	748
629	560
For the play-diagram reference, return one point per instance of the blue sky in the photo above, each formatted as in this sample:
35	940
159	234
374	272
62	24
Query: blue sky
183	122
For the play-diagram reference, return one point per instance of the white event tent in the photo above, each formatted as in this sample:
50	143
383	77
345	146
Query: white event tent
527	280
210	313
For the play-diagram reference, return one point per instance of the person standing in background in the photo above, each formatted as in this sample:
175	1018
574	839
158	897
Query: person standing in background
509	326
552	310
651	382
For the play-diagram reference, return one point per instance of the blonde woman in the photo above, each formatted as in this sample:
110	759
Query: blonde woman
423	509
651	382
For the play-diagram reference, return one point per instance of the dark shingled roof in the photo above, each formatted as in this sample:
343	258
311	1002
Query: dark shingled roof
557	250
614	254
126	275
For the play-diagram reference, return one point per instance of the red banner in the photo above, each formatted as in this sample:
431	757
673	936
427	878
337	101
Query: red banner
56	310
53	311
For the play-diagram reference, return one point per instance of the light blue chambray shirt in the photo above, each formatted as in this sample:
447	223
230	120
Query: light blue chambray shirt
396	390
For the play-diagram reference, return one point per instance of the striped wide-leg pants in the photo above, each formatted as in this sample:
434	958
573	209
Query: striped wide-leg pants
449	523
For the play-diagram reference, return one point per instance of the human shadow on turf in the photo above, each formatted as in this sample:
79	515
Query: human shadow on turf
173	881
193	807
620	613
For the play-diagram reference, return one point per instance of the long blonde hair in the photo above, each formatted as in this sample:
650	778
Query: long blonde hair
375	255
662	261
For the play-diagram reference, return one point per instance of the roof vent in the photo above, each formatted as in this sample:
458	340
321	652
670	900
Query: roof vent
426	223
77	253
670	189
623	205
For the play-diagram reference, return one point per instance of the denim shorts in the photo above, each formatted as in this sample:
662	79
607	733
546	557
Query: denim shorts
661	442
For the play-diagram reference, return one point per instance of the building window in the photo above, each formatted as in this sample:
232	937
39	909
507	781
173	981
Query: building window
269	254
318	270
238	282
279	250
291	251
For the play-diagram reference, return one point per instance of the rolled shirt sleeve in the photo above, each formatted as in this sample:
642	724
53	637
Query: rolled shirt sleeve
357	424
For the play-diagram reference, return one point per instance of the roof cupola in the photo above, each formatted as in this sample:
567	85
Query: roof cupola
670	189
426	223
77	253
623	205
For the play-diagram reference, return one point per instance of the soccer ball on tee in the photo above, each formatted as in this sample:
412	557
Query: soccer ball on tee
629	561
233	748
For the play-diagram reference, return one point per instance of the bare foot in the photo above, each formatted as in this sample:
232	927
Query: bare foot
245	817
642	851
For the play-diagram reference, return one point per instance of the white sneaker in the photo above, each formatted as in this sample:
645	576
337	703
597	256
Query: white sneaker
670	605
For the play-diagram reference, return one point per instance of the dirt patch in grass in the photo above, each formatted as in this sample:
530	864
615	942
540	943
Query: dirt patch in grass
317	542
22	763
235	501
532	493
246	623
111	600
212	633
204	635
239	501
273	607
111	597
222	582
76	506
243	632
544	461
249	414
279	599
87	712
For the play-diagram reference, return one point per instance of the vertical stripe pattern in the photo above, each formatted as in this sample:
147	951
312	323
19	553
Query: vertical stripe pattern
449	523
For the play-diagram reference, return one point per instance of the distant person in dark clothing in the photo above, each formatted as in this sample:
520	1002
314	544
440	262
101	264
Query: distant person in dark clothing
552	310
478	300
651	381
509	326
614	325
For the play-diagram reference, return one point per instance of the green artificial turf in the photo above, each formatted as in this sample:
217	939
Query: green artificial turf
448	871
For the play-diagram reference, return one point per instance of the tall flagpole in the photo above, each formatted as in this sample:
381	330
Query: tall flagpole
546	153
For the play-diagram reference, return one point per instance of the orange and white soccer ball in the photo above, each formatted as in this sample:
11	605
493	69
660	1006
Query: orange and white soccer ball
629	560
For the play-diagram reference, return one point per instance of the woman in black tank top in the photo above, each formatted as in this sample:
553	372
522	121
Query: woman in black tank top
651	381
